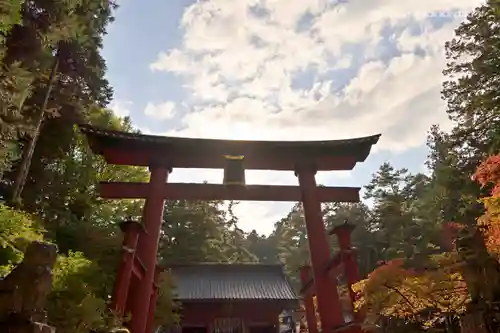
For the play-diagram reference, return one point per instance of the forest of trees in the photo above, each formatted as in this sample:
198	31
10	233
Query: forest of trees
52	77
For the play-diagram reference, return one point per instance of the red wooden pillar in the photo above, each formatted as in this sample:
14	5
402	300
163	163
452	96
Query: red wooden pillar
305	277
148	246
326	289
131	232
343	233
152	302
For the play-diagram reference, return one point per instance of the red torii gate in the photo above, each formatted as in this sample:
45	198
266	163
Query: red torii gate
342	262
135	287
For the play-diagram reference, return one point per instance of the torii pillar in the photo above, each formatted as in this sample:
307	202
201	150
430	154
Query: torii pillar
327	295
305	277
348	259
147	248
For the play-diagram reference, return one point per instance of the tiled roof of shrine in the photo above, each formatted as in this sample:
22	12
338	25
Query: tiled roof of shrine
209	281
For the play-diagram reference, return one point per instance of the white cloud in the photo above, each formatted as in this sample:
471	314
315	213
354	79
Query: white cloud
160	111
121	108
241	57
313	69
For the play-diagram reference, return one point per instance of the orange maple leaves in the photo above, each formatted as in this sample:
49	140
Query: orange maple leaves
488	174
394	290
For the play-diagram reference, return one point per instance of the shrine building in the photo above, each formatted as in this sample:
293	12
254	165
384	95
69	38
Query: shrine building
232	298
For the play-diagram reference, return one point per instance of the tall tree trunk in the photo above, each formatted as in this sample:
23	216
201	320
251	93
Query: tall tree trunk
30	147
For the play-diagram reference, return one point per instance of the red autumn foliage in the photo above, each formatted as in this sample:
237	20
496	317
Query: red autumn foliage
445	288
389	268
489	173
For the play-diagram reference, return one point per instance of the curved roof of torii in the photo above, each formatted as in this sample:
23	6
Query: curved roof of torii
138	149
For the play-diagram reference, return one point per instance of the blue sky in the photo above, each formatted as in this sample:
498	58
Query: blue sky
284	70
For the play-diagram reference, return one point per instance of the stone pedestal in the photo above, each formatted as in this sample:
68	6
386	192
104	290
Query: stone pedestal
24	291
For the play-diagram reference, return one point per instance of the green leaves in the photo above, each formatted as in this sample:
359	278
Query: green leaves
10	14
166	308
84	227
15	88
75	304
17	229
201	231
472	96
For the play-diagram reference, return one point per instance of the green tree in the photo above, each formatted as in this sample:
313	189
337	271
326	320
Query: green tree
264	248
17	229
292	243
15	87
473	104
471	90
401	228
76	303
83	226
201	232
192	232
58	43
166	309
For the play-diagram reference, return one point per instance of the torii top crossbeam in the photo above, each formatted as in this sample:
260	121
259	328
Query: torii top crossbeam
144	150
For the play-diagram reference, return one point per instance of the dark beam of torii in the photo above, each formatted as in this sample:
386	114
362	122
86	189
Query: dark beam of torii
193	191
